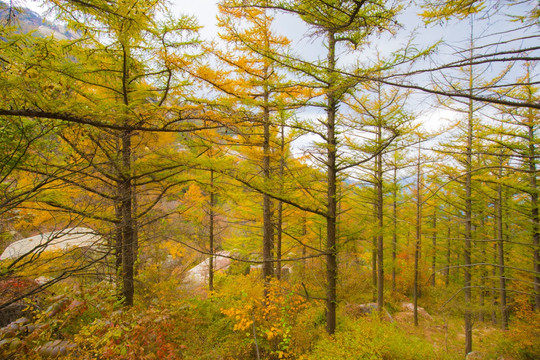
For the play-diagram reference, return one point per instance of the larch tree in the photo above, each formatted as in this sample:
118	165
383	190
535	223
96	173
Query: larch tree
338	24
468	79
105	79
525	149
385	124
251	83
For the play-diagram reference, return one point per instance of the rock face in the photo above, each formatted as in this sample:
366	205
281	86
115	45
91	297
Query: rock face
198	275
12	289
475	355
26	20
359	310
12	313
407	313
61	240
286	270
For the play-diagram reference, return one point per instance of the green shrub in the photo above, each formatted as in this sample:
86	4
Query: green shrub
372	339
522	340
309	329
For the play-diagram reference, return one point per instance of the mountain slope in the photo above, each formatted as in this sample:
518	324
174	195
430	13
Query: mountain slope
26	20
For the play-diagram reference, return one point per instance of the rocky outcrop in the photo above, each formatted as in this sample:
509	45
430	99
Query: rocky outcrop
475	355
407	313
359	310
26	20
62	240
198	275
11	313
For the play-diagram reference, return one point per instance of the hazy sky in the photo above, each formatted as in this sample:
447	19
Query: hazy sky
456	33
206	10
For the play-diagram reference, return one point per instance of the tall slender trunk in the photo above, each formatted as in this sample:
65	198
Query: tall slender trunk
394	229
280	204
448	258
468	217
304	249
279	240
118	238
211	239
118	234
434	243
500	241
134	205
126	195
268	227
535	234
379	204
374	252
533	181
483	292
331	236
418	235
380	258
128	258
494	272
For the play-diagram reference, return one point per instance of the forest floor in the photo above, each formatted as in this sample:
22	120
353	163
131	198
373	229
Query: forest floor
172	321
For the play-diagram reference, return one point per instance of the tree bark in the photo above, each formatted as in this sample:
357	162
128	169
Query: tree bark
331	250
135	223
211	233
468	218
128	258
500	241
494	271
394	229
483	292
280	204
418	236
533	180
268	227
380	219
434	253
118	234
374	253
448	257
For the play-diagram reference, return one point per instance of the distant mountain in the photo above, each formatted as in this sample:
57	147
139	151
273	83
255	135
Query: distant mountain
27	20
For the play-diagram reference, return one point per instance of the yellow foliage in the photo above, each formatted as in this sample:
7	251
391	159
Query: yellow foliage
272	317
175	249
437	10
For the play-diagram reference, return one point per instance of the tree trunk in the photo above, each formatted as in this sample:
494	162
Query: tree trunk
280	204
448	257
211	233
434	254
304	249
534	208
268	231
484	271
374	257
394	229
134	220
500	241
118	234
128	258
494	275
418	236
468	219
268	228
379	206
331	250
